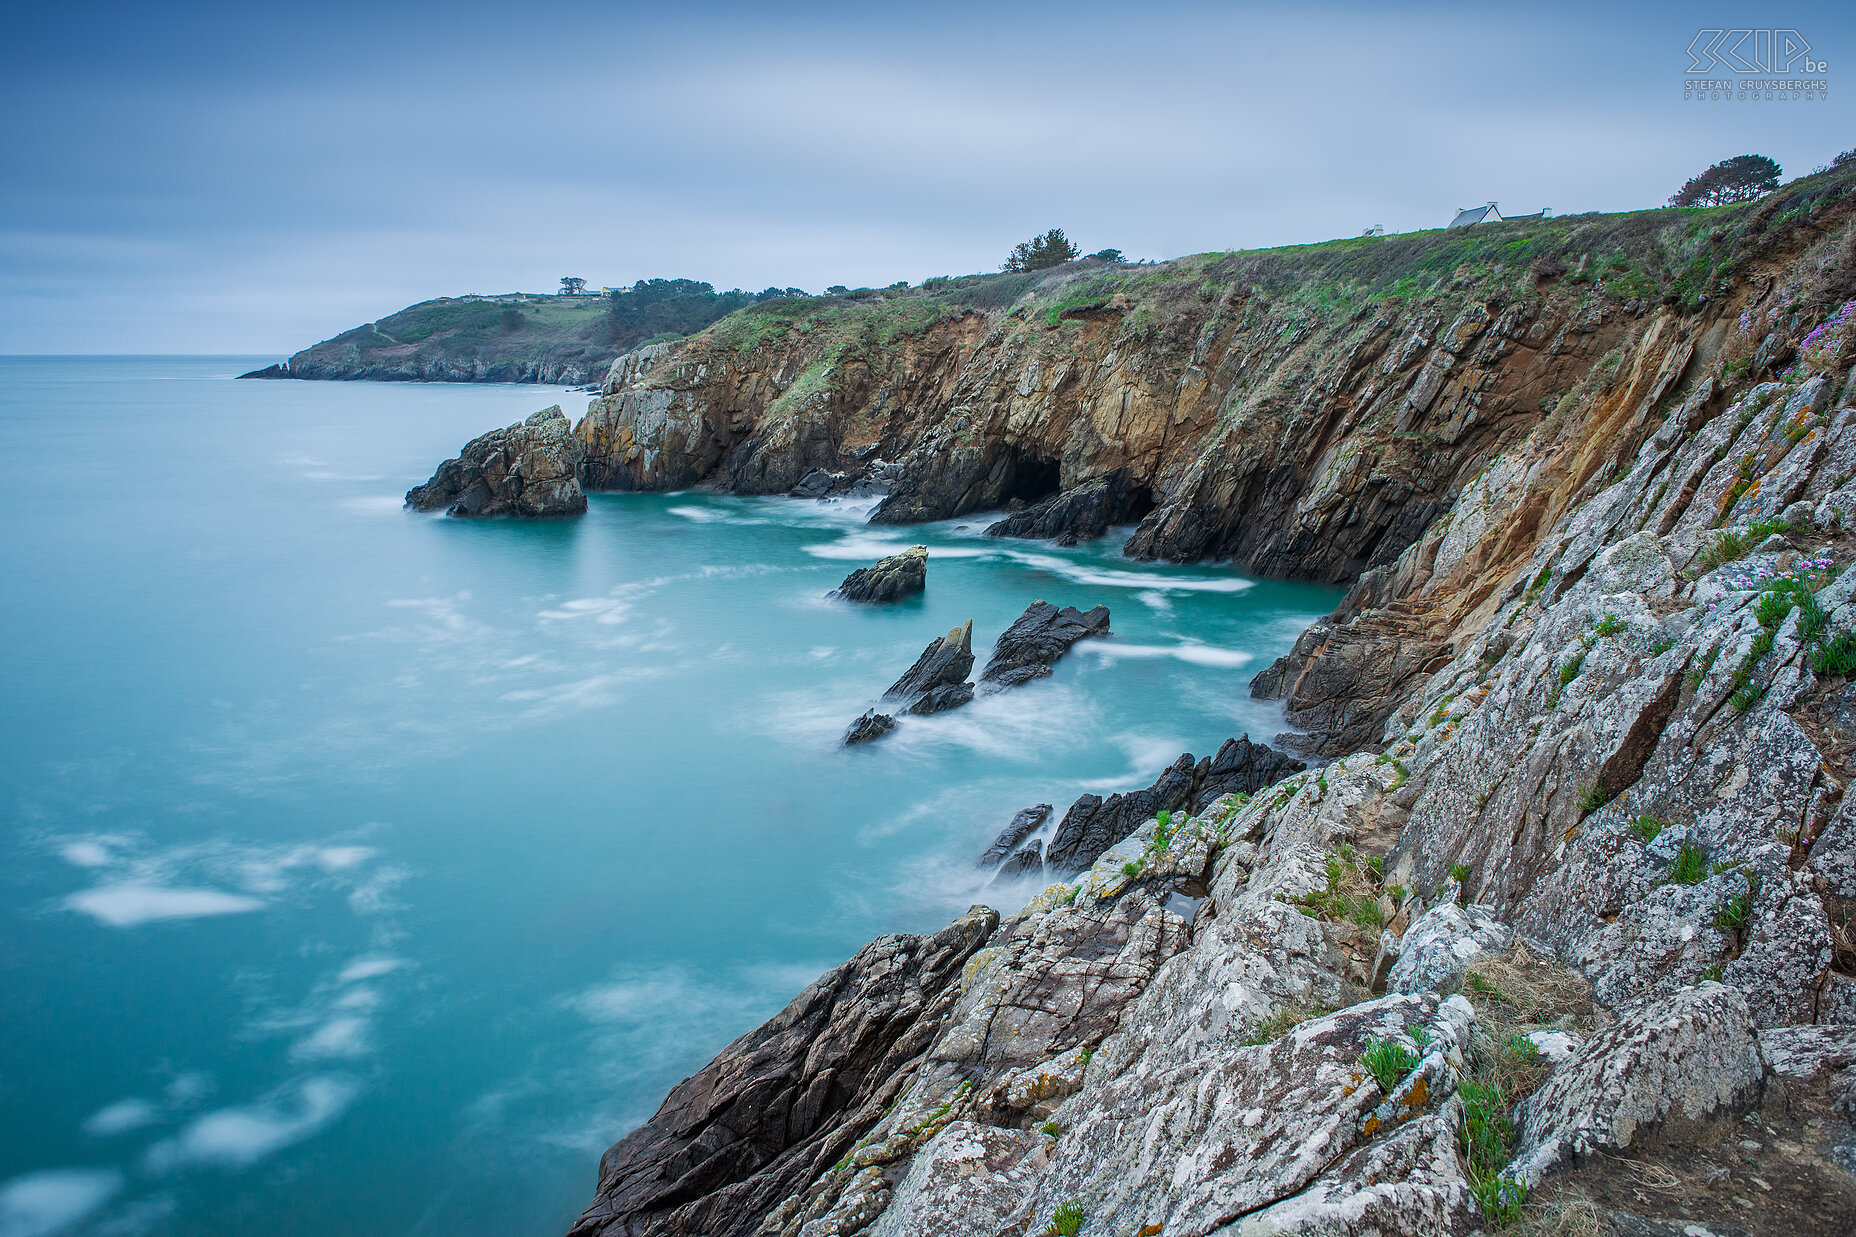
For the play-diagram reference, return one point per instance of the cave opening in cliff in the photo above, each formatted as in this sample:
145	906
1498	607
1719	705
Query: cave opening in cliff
1031	479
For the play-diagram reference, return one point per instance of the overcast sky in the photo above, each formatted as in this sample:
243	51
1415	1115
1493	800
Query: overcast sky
252	178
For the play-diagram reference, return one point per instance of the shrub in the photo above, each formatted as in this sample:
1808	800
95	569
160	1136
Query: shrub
1610	625
1690	866
1388	1061
1051	1128
1459	872
1592	798
1131	868
1067	1219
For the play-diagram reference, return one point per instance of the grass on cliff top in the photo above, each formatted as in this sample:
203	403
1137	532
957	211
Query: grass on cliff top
1678	257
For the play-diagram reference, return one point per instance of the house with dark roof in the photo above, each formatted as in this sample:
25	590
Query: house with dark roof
1476	214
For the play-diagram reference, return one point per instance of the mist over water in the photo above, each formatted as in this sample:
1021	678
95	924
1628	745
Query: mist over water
369	872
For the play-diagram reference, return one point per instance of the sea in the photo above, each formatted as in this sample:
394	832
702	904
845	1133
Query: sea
369	872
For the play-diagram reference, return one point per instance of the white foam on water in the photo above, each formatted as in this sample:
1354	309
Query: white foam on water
86	854
1114	577
344	1036
605	610
1192	652
1148	756
129	905
121	1117
368	968
870	546
236	1138
341	858
54	1200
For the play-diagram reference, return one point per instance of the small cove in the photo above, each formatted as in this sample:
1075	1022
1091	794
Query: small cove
369	872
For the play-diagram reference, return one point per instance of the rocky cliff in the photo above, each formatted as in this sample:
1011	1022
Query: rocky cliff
1562	933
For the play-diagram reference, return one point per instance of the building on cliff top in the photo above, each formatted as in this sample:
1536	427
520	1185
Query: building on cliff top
1476	214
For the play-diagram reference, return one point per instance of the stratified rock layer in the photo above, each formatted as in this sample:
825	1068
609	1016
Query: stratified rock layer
1605	700
530	468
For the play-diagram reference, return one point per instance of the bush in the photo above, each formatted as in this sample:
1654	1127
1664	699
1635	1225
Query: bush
1108	255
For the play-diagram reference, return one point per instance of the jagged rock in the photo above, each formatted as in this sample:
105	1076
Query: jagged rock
872	725
1093	824
1082	513
940	699
1023	825
1021	863
888	579
815	484
1808	1051
1442	943
529	468
944	663
1240	767
784	1101
1685	1056
1036	639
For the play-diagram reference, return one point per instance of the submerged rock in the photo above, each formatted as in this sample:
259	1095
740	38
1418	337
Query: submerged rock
1023	825
872	725
1082	513
888	579
530	468
1039	636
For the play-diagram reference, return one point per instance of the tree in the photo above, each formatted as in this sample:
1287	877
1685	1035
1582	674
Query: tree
1739	179
1041	252
572	285
1107	255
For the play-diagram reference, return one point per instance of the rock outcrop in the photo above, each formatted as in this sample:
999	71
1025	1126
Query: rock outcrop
1080	514
943	666
530	468
888	579
1023	825
1037	639
872	725
1093	824
1603	696
783	1102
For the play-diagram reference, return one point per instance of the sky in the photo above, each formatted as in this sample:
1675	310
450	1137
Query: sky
249	179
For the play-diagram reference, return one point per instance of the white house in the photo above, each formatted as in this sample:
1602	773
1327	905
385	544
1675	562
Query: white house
1476	214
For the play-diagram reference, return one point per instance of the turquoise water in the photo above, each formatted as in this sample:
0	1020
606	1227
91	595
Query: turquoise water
368	872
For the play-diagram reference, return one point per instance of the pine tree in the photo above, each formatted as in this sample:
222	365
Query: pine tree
1739	179
1042	252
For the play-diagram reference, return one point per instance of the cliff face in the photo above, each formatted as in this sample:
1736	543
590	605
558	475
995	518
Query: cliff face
1583	882
1305	412
513	338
